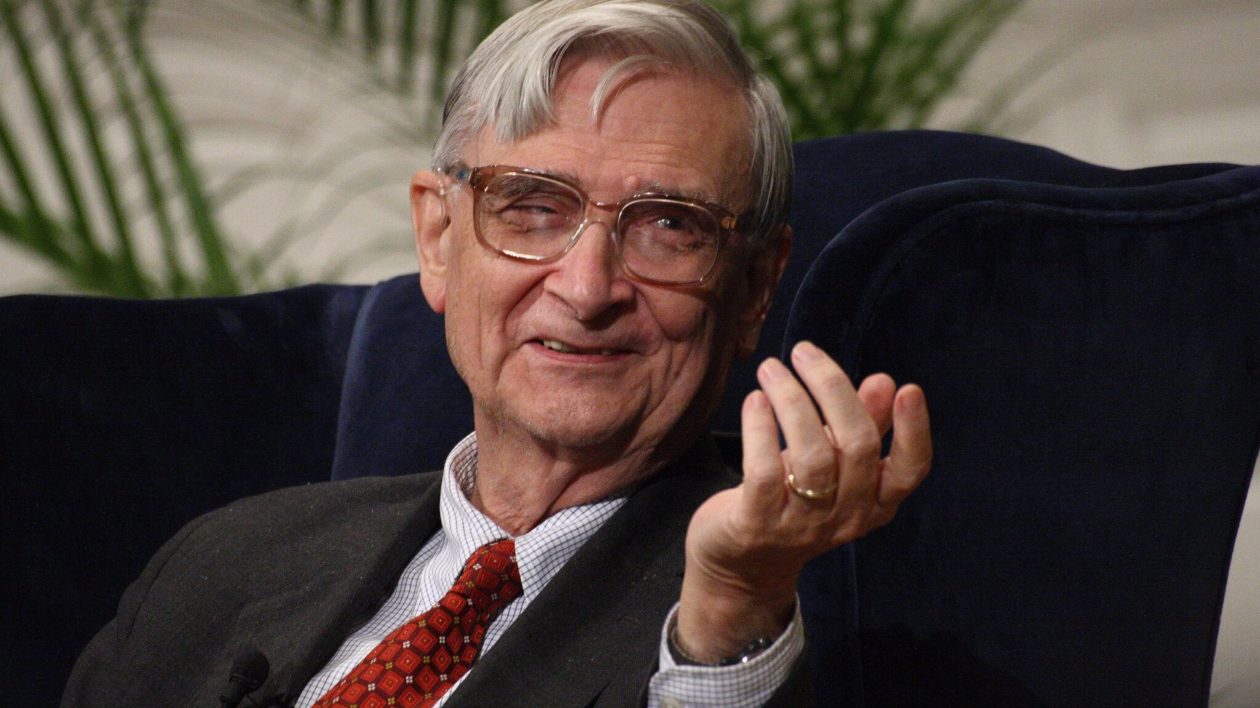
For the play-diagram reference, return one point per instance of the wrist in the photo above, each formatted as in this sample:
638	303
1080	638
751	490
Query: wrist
754	649
717	622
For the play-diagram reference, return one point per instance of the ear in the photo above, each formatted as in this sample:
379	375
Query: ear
431	225
765	267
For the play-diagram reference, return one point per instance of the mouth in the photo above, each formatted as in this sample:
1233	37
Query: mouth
556	345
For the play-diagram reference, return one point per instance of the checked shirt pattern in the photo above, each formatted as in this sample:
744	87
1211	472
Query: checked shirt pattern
422	659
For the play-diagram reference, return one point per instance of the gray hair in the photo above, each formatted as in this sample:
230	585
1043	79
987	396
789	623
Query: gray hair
509	79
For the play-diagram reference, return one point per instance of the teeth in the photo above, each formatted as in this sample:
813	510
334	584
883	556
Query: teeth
558	346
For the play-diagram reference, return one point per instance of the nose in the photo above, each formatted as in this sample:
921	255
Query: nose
589	278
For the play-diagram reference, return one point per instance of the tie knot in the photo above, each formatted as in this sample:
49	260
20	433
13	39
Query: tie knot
491	577
422	659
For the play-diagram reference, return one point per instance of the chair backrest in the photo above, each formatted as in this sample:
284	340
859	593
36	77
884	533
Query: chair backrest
120	421
837	179
403	405
1089	341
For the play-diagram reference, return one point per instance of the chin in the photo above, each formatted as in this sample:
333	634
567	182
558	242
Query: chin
585	424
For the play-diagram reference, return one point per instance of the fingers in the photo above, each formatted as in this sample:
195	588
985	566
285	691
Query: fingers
763	467
855	432
876	393
810	457
910	455
832	391
833	434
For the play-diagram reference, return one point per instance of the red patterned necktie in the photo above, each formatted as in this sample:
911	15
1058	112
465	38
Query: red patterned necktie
422	659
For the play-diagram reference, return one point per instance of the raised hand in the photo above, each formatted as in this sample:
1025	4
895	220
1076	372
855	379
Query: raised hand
746	546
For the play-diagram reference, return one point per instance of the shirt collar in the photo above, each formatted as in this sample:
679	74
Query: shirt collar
542	551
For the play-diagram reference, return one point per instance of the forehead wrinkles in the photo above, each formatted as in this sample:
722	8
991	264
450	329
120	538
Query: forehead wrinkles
724	178
634	185
624	73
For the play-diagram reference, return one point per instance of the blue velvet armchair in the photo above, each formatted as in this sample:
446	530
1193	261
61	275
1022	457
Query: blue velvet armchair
1089	340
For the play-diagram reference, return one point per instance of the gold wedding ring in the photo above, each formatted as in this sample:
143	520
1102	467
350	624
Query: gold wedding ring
806	493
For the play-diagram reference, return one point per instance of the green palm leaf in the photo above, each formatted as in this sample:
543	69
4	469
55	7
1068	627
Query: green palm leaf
72	205
98	180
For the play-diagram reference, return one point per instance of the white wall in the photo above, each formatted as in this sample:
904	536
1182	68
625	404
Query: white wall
1144	82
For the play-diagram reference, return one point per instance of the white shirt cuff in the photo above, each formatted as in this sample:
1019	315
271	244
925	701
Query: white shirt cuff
750	683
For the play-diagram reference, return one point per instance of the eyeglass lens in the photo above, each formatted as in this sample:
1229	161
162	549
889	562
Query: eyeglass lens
536	218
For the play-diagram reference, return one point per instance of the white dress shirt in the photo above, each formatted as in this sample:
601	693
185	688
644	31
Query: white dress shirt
540	554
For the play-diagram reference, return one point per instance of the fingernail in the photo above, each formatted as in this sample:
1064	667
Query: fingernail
806	352
772	369
757	400
909	399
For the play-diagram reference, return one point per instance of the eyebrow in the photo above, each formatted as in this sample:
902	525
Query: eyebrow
646	188
658	188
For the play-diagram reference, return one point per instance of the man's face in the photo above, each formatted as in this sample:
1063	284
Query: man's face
574	354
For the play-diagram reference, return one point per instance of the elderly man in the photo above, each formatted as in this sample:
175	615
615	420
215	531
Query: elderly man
603	232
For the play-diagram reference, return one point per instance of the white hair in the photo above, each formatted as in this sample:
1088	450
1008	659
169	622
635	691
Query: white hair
509	80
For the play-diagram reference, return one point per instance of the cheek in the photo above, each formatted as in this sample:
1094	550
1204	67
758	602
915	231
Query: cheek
469	314
692	332
707	335
710	315
487	299
691	329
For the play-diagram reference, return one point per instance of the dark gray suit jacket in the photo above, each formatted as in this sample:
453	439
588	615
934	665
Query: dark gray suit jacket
294	572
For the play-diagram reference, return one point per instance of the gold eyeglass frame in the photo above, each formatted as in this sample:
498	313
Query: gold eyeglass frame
478	178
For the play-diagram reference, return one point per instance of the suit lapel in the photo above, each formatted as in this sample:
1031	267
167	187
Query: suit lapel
301	628
594	631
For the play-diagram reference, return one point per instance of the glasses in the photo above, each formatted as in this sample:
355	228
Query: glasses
535	217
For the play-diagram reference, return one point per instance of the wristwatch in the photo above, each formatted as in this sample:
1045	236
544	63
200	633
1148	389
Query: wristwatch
748	653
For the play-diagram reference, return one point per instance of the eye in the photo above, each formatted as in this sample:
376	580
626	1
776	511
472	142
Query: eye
530	204
667	222
534	214
663	228
539	206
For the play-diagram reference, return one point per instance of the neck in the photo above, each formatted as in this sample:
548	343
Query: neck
521	481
